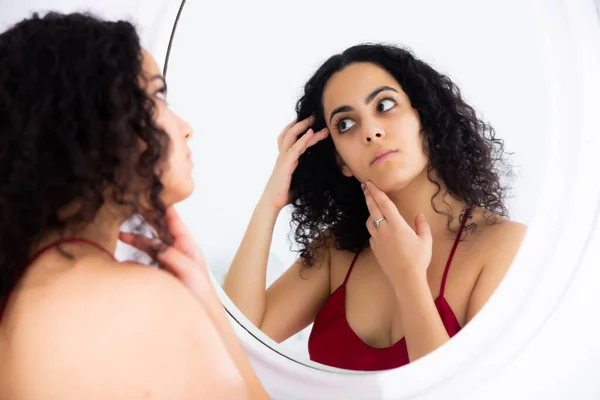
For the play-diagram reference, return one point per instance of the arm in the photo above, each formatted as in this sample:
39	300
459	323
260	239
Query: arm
424	328
245	282
302	291
246	279
405	254
295	298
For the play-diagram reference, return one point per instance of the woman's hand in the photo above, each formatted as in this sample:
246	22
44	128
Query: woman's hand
186	262
183	258
398	248
277	190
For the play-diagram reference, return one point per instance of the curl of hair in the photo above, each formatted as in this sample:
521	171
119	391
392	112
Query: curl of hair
76	126
462	151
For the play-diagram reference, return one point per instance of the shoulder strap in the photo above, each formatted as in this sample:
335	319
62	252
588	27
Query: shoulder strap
68	240
350	269
456	241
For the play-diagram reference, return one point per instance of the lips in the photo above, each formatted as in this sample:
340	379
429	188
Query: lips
381	153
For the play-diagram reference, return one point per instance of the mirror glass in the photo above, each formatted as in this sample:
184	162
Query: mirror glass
236	72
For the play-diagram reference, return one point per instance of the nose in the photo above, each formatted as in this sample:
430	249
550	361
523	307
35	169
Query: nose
188	132
185	128
372	131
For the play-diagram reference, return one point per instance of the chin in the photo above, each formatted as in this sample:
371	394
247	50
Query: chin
394	182
177	194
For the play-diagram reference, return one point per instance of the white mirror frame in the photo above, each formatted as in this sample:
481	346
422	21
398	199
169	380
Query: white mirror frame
543	270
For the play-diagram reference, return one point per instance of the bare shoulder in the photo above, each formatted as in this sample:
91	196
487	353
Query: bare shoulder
121	331
498	244
503	236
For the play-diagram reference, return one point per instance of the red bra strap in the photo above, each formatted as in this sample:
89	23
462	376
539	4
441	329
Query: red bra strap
68	240
350	269
48	247
456	241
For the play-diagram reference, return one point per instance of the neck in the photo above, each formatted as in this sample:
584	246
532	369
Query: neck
417	198
103	230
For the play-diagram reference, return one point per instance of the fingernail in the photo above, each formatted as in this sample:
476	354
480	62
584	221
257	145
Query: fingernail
421	216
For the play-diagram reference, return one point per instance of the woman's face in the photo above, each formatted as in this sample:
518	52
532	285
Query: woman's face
177	177
375	129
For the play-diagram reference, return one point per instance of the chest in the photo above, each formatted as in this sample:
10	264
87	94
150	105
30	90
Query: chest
371	306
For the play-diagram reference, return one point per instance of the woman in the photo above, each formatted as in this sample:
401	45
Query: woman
399	214
87	142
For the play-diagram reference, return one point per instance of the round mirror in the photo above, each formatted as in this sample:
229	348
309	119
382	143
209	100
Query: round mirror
240	91
237	77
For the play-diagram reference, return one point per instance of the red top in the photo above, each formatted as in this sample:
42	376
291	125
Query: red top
50	246
333	342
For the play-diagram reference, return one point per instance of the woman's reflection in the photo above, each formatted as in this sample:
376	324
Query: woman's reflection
389	273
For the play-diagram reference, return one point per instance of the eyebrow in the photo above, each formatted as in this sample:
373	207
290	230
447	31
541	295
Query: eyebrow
369	99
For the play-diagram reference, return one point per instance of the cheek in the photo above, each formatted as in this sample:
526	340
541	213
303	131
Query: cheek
407	130
168	124
346	149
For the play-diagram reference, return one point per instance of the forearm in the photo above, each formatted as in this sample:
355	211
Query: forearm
423	326
245	283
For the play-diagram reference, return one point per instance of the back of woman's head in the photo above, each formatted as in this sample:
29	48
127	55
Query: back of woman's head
463	154
76	125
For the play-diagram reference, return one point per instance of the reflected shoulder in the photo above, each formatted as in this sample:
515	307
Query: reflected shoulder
502	241
506	231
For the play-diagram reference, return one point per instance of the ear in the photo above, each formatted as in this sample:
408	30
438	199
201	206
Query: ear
342	166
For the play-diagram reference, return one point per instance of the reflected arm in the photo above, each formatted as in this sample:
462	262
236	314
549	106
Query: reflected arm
291	303
422	323
245	283
423	326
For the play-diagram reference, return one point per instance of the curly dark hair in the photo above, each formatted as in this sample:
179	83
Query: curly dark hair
461	149
76	125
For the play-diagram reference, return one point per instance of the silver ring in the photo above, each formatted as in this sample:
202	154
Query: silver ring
376	222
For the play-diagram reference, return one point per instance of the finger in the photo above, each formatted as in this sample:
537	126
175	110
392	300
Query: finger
422	228
181	235
298	148
180	265
386	206
292	134
175	224
375	214
148	245
317	137
372	205
193	275
283	132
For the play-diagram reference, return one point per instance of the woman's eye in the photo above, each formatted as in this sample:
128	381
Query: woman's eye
385	105
344	125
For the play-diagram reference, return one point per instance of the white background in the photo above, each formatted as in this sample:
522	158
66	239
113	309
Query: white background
563	360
